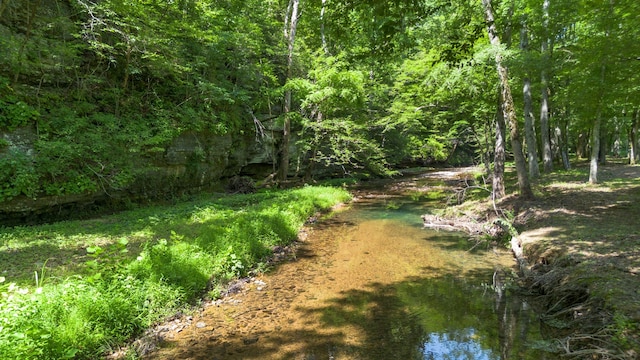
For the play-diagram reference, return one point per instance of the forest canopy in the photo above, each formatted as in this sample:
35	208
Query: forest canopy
93	93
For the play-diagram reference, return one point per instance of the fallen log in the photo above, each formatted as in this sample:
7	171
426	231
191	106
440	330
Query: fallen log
492	229
467	225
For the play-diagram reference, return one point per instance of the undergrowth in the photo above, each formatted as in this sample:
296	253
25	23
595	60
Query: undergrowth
133	269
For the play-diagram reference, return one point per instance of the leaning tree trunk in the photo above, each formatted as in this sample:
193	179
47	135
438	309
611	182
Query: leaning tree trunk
290	27
508	106
529	129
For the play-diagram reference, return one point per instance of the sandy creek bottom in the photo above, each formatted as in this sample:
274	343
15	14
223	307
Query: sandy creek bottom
368	283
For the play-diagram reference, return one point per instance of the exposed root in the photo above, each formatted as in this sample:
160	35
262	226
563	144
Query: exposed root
580	321
598	346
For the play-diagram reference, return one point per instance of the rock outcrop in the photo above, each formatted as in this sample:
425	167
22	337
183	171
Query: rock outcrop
193	162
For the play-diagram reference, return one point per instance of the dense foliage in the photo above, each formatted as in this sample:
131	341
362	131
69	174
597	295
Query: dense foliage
374	83
105	84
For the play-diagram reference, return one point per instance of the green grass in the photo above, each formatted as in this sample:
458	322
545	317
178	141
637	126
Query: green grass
78	289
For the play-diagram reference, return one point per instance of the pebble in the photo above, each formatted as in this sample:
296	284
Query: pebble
250	340
200	324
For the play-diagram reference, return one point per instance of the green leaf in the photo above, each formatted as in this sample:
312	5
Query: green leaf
97	250
70	353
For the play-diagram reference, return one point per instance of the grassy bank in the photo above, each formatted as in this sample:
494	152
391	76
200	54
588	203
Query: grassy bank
79	289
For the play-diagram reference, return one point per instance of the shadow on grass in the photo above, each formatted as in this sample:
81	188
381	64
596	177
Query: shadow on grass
590	220
590	234
19	266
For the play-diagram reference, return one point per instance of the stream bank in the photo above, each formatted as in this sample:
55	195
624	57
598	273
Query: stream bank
580	243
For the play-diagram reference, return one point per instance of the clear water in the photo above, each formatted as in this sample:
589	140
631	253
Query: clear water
446	307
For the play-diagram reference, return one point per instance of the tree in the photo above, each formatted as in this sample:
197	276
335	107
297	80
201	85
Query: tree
530	135
499	155
508	105
547	157
335	129
633	136
290	27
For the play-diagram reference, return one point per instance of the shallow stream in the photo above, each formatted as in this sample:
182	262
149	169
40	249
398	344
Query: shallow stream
370	283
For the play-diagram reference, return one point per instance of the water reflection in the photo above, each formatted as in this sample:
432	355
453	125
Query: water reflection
458	345
458	308
463	319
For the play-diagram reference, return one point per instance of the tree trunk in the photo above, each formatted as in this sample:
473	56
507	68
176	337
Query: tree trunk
529	130
290	36
564	140
595	132
547	157
486	141
604	146
581	146
617	142
325	47
499	152
563	122
633	137
595	149
508	106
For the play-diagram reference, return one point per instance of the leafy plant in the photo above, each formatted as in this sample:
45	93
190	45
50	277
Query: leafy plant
18	176
14	112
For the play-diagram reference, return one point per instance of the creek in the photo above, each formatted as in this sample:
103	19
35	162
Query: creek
370	282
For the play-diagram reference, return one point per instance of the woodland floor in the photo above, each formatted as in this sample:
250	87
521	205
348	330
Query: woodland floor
584	244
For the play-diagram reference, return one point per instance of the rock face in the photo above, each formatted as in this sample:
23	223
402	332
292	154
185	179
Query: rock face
21	139
194	161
